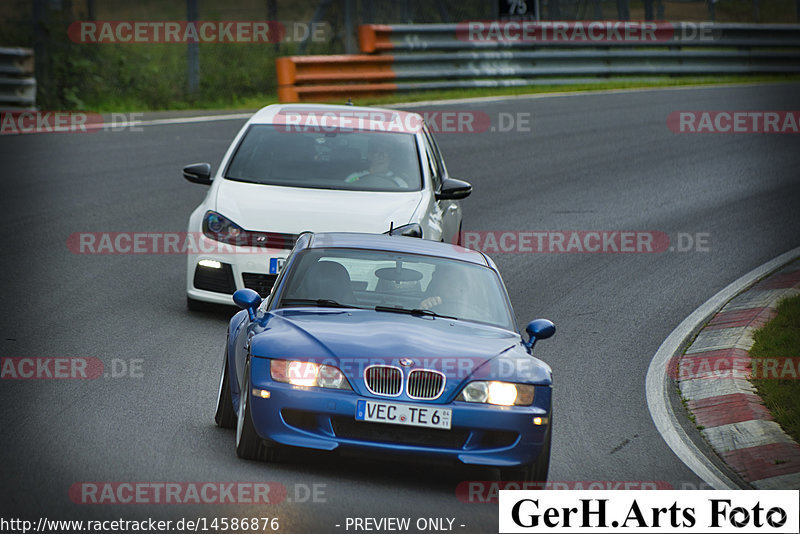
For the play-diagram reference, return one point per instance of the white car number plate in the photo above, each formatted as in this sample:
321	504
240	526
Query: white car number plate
403	414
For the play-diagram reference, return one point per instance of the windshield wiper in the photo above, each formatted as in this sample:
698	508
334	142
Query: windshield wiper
244	180
328	303
414	311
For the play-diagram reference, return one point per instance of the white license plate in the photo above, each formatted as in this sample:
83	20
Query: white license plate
403	414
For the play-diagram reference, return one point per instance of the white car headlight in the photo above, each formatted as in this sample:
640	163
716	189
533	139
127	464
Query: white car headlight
307	374
498	393
220	228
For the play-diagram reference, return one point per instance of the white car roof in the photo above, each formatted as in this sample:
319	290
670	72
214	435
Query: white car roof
340	116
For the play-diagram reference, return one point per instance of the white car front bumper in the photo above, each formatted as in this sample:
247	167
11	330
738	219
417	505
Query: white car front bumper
217	271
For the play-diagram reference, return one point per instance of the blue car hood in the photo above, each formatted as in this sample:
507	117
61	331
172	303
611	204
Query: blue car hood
352	339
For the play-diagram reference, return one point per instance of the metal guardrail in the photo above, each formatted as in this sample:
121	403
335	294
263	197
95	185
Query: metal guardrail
496	54
17	83
504	35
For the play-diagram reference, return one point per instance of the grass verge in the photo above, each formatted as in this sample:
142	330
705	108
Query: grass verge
779	340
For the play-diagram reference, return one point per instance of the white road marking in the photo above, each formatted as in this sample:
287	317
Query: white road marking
591	92
176	120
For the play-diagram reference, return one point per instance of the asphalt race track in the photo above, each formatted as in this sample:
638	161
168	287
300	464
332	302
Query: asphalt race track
591	162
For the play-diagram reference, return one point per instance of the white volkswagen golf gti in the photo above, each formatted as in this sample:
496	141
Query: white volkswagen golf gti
318	168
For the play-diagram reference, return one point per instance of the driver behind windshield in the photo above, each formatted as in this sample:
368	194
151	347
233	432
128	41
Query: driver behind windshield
379	173
446	291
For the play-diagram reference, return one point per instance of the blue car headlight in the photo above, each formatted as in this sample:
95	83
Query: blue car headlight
497	393
307	374
220	228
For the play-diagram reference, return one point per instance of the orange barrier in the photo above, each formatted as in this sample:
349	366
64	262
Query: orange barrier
323	93
303	78
374	38
311	69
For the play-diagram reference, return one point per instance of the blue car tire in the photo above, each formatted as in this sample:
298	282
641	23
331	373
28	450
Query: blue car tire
225	417
249	444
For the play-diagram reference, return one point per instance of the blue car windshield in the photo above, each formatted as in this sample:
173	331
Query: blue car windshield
397	281
350	159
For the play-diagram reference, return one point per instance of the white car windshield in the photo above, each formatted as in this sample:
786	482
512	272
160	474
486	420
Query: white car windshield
332	159
400	282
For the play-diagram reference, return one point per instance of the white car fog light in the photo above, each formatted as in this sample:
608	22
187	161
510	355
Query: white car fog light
211	264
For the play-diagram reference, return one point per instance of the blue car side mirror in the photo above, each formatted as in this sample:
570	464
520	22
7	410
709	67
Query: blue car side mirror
539	329
249	300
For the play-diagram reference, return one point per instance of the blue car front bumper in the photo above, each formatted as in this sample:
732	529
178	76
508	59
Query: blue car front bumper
324	419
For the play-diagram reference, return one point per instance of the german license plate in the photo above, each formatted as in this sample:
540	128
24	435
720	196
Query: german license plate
403	414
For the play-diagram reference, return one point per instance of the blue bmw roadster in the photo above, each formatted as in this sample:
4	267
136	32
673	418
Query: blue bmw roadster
388	343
